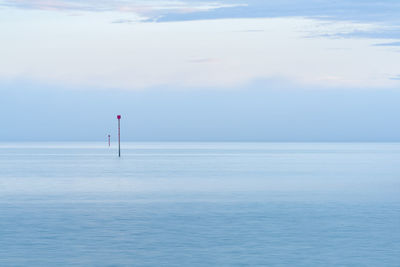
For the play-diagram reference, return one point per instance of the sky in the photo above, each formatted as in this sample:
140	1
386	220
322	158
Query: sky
251	70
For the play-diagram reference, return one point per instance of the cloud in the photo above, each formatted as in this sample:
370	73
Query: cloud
383	13
149	8
379	32
396	78
144	55
355	10
201	60
120	21
208	53
389	44
178	10
252	31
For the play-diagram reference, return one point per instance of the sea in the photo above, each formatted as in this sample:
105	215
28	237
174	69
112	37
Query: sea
200	204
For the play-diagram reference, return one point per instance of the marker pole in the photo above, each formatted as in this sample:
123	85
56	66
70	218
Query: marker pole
119	135
109	140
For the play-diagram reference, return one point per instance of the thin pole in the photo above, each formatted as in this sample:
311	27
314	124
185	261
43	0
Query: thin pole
119	135
119	138
109	141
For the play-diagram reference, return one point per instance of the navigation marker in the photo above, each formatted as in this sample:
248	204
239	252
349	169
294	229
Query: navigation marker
119	135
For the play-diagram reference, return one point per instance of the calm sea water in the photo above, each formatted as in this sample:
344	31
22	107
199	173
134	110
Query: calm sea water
200	204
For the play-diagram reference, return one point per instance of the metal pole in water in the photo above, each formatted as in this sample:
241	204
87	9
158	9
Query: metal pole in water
119	135
109	141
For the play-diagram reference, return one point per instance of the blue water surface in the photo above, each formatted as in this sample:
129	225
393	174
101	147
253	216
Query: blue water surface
200	204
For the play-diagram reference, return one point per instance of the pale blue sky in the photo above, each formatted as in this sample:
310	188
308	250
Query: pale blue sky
200	70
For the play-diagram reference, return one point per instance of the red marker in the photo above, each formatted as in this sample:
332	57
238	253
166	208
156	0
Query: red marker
119	135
